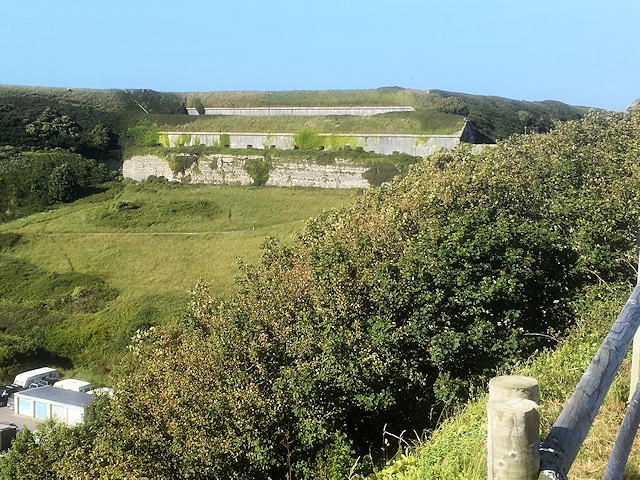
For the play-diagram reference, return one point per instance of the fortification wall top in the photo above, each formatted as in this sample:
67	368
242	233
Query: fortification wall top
305	111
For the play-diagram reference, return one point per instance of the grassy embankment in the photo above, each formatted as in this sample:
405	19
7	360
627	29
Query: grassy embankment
122	108
436	112
150	243
458	449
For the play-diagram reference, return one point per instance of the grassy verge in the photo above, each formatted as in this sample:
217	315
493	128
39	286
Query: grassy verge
124	259
457	449
415	123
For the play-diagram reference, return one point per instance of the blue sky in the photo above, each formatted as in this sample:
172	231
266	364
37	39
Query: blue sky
577	52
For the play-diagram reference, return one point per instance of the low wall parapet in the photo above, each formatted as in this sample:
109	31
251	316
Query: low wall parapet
305	111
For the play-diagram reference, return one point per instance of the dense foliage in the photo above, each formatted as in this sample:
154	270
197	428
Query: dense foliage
31	181
379	315
496	118
49	160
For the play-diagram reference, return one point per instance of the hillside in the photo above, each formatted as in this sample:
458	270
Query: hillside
436	112
379	315
558	370
77	281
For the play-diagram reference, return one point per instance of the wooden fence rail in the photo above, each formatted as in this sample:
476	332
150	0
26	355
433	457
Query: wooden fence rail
561	446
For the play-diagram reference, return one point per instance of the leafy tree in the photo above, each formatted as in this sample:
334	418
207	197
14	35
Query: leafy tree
62	184
98	143
27	177
57	451
54	130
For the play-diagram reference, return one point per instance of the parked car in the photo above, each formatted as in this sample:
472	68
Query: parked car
6	392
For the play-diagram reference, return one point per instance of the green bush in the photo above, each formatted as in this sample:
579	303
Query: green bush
258	168
144	135
30	181
307	139
62	184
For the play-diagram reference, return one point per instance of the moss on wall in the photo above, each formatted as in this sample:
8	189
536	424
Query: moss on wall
164	140
335	142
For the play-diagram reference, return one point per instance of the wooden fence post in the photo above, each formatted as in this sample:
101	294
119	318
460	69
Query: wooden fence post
513	438
513	386
635	364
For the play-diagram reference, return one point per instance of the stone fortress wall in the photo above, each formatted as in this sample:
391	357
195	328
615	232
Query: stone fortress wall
416	145
301	111
229	169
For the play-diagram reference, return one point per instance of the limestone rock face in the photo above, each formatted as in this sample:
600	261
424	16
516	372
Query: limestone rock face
140	167
229	169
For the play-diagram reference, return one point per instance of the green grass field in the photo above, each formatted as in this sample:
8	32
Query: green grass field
415	123
151	244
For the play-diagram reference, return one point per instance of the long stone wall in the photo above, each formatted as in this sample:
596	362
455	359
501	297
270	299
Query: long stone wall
417	145
229	169
305	111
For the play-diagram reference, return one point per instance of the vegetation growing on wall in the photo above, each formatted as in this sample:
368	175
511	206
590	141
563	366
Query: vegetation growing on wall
143	135
258	168
307	139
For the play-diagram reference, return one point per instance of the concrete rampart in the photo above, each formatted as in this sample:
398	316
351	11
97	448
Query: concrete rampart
417	145
305	111
229	169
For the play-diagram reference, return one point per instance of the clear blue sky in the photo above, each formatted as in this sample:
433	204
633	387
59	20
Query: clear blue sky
578	52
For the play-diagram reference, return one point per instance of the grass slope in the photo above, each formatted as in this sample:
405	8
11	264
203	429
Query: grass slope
86	276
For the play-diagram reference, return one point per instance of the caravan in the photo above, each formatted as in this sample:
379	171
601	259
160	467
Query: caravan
39	376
